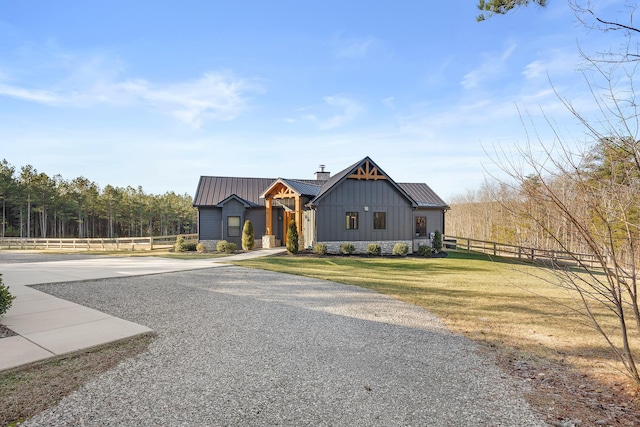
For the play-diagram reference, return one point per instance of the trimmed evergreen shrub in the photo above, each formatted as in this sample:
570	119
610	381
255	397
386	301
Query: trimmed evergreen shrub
320	249
374	249
292	238
221	246
400	249
425	250
6	299
436	242
248	236
201	248
180	245
347	249
230	248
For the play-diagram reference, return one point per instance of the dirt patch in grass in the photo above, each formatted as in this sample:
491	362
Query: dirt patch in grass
566	397
26	391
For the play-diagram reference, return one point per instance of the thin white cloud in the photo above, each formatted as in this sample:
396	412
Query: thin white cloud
214	96
554	63
41	96
490	68
389	102
217	96
354	48
349	110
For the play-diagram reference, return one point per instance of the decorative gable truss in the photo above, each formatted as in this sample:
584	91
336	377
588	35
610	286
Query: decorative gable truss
367	172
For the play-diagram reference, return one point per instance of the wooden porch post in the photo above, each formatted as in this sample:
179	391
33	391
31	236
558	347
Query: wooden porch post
299	214
267	203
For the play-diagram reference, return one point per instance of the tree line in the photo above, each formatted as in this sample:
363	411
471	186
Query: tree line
583	206
36	205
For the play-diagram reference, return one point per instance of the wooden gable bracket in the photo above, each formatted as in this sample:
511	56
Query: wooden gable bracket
367	172
284	193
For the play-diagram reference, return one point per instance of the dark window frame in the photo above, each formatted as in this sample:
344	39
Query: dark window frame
421	229
351	220
380	216
230	227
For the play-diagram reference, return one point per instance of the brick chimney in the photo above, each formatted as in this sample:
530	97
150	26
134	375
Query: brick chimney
321	175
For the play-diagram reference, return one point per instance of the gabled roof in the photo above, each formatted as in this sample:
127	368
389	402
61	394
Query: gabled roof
246	203
212	190
304	188
300	187
353	170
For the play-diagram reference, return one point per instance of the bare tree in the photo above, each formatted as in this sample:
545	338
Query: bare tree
593	189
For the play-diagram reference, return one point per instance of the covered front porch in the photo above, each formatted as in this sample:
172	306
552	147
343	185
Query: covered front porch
284	202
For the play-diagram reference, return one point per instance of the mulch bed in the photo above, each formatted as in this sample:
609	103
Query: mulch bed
309	253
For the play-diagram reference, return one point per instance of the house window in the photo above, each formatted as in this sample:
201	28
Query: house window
421	226
379	220
233	226
352	221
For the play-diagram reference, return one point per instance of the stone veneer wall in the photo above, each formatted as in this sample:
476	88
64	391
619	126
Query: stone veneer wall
211	245
419	242
386	246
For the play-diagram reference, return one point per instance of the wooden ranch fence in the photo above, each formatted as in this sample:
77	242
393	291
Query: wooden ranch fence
524	253
106	244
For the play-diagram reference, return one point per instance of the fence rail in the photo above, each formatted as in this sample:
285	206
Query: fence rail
524	253
100	244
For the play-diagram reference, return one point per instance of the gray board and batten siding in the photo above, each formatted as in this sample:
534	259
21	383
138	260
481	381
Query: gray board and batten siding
355	196
325	203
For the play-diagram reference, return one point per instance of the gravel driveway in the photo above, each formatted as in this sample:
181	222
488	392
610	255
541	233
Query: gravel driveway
246	347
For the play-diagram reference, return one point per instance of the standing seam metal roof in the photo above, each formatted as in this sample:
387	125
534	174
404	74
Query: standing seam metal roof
214	189
423	195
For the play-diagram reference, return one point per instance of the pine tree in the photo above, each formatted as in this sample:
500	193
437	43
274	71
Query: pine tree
437	241
248	236
292	238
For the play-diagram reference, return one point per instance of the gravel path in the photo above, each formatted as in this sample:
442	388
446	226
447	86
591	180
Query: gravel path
246	347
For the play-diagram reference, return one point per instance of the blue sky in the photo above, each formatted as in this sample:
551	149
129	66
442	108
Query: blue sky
157	93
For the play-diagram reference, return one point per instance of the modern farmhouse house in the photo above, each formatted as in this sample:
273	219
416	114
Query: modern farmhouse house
360	205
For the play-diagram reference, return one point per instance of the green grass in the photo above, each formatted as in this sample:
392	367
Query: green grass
496	301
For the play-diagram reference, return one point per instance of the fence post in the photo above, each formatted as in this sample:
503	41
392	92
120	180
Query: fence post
468	244
150	243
